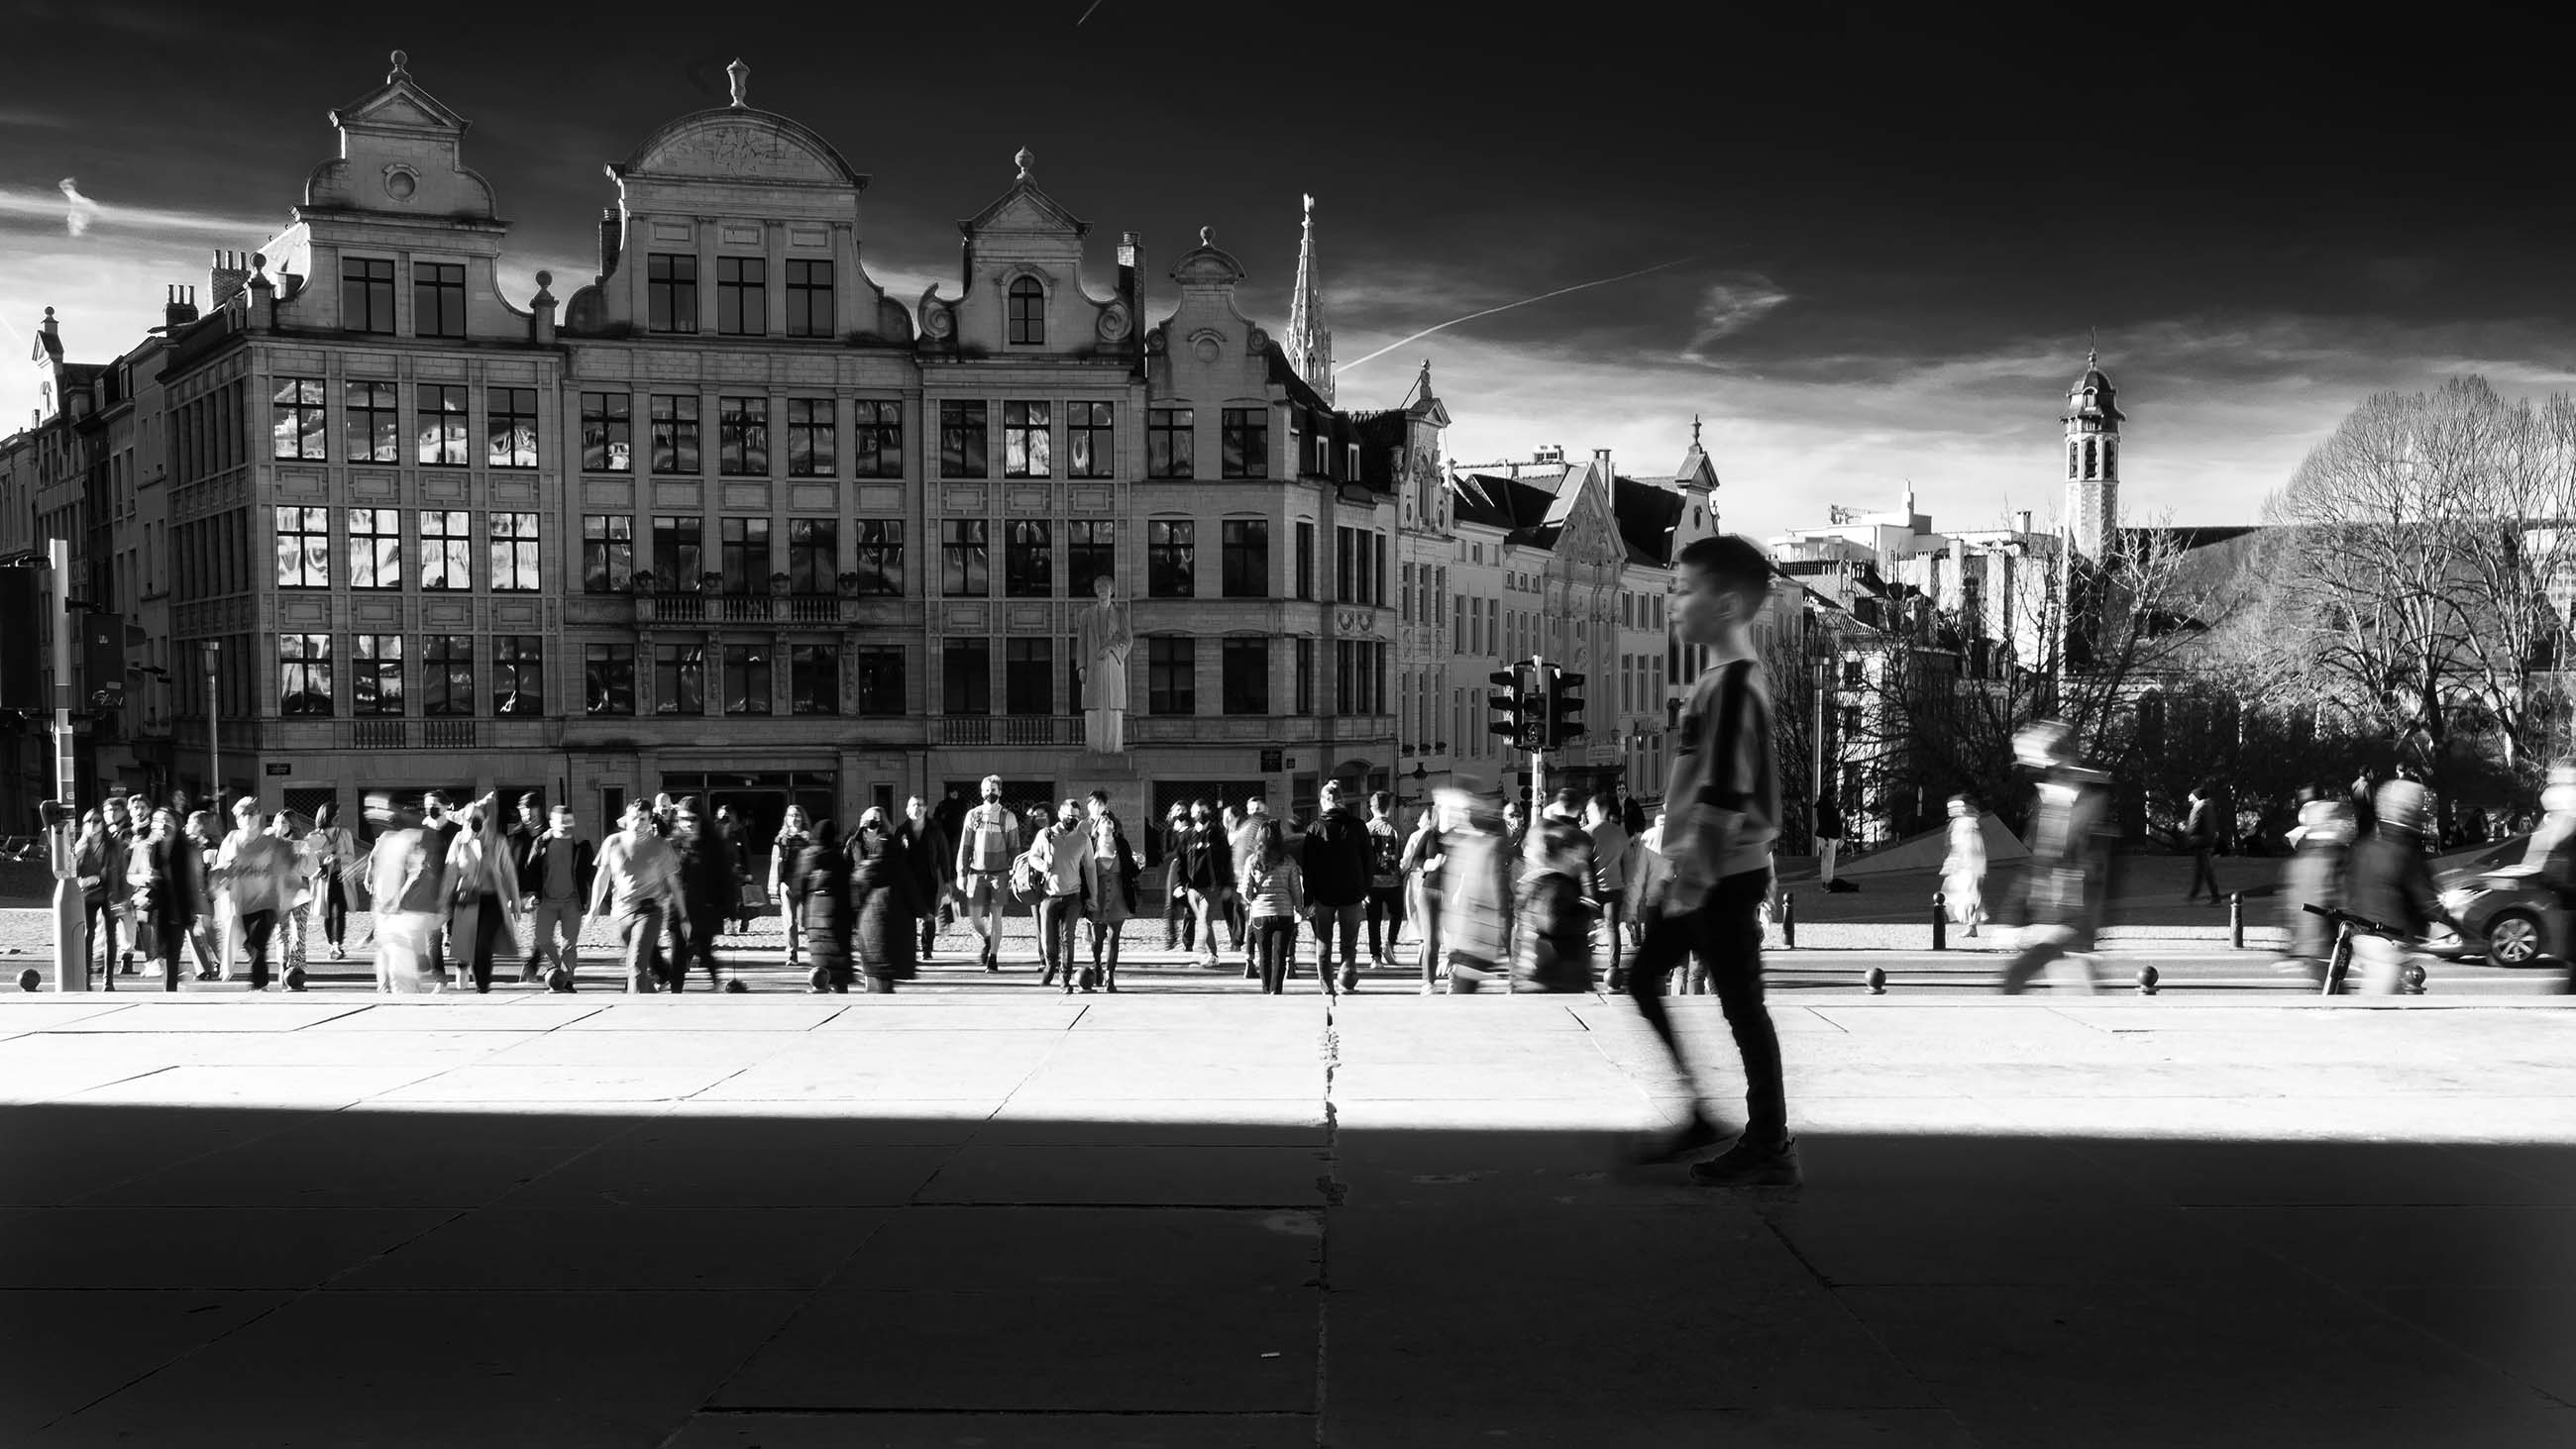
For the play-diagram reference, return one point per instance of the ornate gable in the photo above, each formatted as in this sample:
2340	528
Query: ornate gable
400	153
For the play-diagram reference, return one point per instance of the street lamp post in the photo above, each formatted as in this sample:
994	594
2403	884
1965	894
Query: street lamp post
211	652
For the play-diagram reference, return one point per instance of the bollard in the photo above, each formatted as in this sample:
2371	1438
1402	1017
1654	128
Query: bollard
30	979
2414	978
2147	979
1789	920
1940	922
1876	980
2236	919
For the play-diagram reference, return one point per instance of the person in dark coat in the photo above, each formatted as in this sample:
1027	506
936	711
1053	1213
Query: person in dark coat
883	886
822	876
1336	861
930	855
2320	848
707	892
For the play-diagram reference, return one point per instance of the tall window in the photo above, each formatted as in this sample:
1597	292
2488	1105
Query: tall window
810	453
813	679
2070	457
2092	460
879	557
1171	675
1171	558
1247	676
514	552
376	674
880	679
1028	313
1171	446
1345	561
375	548
447	674
607	431
1244	557
813	554
438	299
511	427
1090	552
298	419
518	674
1305	676
965	560
1028	676
671	292
1376	579
744	544
304	674
966	677
1090	440
679	679
1028	561
1245	443
607	553
442	425
1028	440
742	296
679	550
373	422
962	440
366	294
746	679
608	679
446	549
304	548
876	439
1305	560
742	436
675	432
809	299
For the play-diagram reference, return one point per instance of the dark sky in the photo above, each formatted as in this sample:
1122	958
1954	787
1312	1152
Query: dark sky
1892	229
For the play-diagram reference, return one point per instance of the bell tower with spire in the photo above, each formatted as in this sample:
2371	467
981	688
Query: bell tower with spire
1309	344
2091	516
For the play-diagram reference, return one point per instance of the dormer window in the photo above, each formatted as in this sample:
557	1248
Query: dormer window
438	299
367	294
1027	313
742	296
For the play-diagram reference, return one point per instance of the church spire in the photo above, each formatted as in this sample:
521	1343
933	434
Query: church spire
1309	345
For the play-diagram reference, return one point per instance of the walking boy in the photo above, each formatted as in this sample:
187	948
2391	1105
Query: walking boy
1722	800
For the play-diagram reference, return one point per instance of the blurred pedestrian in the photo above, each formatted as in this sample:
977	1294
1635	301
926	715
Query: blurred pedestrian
822	877
1555	900
168	887
1179	923
258	871
1963	867
2552	855
406	891
2392	885
440	825
928	855
203	845
295	916
1612	852
120	830
638	878
1275	896
708	892
1425	854
487	892
884	893
1476	876
554	882
786	879
1205	865
737	847
1240	842
335	853
2065	888
2320	851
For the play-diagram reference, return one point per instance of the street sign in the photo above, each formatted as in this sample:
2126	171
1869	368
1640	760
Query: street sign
280	768
1271	762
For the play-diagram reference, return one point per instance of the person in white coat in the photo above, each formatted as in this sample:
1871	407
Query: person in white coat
1963	869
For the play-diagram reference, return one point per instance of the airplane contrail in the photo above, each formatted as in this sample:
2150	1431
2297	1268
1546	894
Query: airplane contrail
1086	15
1507	306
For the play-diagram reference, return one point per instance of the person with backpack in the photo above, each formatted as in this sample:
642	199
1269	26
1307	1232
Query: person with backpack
1336	860
1274	897
1205	865
1108	891
1424	855
987	843
1557	906
1059	857
1386	877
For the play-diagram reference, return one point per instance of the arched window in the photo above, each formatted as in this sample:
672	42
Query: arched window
2092	459
2110	457
1028	313
2070	458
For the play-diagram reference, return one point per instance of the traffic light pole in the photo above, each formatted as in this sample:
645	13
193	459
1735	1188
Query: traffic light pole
1538	757
71	953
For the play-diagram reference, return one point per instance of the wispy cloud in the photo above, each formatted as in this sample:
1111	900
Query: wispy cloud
79	214
1728	306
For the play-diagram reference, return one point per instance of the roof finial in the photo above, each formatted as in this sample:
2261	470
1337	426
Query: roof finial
1022	161
741	77
1694	430
1203	236
2092	351
401	70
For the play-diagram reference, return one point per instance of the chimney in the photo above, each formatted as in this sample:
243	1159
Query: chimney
611	234
229	276
179	307
2025	520
1601	465
1131	284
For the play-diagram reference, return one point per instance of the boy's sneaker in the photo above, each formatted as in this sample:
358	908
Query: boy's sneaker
1697	1135
1746	1165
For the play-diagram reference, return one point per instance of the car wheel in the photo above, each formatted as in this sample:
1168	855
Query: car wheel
2513	939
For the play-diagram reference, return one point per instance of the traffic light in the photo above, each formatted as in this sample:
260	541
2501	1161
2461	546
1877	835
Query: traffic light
1515	707
1562	712
103	642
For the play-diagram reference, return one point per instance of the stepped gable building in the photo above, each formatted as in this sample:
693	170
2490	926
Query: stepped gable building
727	519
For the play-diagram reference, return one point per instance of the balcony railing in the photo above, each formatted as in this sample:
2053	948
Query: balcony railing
1007	729
692	606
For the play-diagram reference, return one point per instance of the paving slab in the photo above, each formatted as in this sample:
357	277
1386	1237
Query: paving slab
1185	1176
596	1246
1030	1119
745	1429
364	1158
199	1247
67	1348
246	1012
717	1162
516	1013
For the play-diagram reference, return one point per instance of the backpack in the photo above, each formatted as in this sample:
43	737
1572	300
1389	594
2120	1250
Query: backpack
1386	851
1028	883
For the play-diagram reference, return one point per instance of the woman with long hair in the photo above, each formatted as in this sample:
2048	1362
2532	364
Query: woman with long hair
295	916
887	897
1109	881
487	885
202	837
821	888
334	851
786	876
1274	891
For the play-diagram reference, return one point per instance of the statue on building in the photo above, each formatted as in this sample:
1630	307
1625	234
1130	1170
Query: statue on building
1105	638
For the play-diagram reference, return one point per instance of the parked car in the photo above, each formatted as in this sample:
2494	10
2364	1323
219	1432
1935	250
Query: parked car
2503	904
